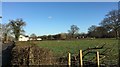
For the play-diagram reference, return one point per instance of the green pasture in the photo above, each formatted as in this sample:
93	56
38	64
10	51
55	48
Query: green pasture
62	47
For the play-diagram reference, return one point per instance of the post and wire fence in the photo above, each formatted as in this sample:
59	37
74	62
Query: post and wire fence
81	59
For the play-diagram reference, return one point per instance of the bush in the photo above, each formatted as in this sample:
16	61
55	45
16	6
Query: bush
31	55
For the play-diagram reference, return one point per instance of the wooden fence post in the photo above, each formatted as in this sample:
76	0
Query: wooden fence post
98	63
69	59
81	62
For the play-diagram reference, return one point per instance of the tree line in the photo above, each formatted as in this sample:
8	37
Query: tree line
109	27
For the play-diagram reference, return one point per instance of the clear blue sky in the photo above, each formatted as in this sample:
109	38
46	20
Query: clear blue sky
0	9
43	18
60	0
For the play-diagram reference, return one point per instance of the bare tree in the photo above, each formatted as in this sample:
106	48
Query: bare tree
33	36
17	27
111	22
73	30
5	31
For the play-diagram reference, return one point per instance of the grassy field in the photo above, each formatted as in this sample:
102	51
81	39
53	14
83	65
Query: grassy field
61	47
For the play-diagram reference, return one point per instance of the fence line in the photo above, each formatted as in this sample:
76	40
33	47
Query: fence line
98	63
69	59
81	61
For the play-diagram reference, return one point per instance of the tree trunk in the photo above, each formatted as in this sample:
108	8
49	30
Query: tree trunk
16	38
117	34
5	37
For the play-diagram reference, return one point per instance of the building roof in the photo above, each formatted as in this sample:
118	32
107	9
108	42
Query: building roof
25	35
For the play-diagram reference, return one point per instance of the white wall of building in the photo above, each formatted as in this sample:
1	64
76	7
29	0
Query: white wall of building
23	38
39	39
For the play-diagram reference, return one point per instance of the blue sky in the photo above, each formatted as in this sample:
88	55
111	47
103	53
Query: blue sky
44	18
60	0
0	9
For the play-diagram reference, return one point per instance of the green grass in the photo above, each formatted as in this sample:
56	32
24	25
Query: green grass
61	47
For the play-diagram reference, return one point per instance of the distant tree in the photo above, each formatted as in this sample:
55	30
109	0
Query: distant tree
63	36
82	35
5	31
44	37
17	27
100	32
92	28
91	31
73	30
56	37
50	37
97	31
33	36
111	22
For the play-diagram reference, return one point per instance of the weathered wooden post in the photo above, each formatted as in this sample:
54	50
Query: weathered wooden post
69	59
98	63
81	62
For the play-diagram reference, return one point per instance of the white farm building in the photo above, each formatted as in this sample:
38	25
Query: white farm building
23	38
27	38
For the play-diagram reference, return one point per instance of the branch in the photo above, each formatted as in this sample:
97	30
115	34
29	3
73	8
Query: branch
94	48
